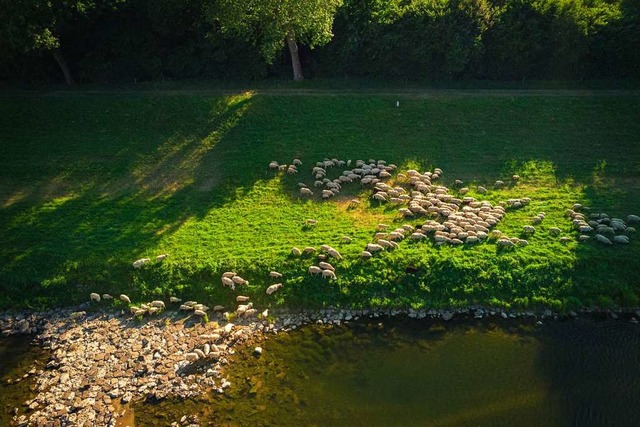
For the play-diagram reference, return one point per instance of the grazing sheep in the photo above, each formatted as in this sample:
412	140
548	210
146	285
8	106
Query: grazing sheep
481	190
630	230
186	307
313	270
125	299
633	219
304	191
158	304
94	297
380	196
249	313
332	252
243	308
346	239
161	257
106	296
529	229
318	184
139	263
229	274
297	162
227	281
218	308
564	240
311	222
174	299
275	275
505	243
200	313
309	250
239	280
554	231
329	274
295	251
621	239
602	239
373	247
366	254
515	178
273	165
326	266
242	298
499	184
271	289
77	314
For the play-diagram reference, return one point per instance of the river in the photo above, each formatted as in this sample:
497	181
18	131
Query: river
421	373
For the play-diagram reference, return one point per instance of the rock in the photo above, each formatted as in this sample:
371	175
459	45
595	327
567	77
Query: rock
504	315
613	315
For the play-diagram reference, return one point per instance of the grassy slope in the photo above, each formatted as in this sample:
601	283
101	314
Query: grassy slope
89	183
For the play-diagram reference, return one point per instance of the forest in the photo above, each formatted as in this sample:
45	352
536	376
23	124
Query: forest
132	41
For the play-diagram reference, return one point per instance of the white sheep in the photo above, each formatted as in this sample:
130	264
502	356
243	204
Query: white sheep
304	191
271	289
366	254
621	239
227	281
313	270
158	304
326	266
481	189
373	247
186	307
297	162
296	251
139	263
200	313
499	184
332	252
229	274
309	250
106	296
529	229
94	297
633	219
242	308
174	299
161	257
125	299
239	280
329	274
554	231
311	222
275	275
602	239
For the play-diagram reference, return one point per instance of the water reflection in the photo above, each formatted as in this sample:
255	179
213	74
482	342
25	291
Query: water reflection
421	374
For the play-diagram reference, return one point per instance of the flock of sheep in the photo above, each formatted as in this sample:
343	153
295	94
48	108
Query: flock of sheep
600	227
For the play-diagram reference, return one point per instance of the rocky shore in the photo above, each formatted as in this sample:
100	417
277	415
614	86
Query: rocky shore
99	362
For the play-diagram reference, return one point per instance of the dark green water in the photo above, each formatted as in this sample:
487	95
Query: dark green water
419	373
578	373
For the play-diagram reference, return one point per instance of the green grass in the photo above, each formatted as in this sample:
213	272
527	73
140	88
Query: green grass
91	182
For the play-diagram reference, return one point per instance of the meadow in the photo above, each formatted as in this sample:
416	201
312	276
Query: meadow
90	182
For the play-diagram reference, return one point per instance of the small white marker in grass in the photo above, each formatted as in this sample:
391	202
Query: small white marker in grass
397	104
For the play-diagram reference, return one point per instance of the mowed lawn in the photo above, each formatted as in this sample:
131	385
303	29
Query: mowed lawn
90	182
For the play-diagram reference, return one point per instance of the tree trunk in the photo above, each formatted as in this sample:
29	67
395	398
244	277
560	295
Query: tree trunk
63	66
295	58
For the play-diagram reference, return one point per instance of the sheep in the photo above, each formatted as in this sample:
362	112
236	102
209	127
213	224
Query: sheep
295	251
602	239
250	312
332	252
227	281
554	231
329	274
139	263
174	299
242	308
326	266
186	307
292	170
564	240
239	280
106	296
275	275
480	189
528	229
380	197
366	254
125	299
271	289
313	270
585	229
77	314
633	219
94	297
282	167
373	247
621	239
229	274
311	222
499	184
346	239
158	304
297	162
309	250
273	165
199	313
505	243
218	308
583	237
318	184
630	230
515	178
242	298
304	191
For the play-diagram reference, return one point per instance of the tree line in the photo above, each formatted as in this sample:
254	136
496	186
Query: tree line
142	40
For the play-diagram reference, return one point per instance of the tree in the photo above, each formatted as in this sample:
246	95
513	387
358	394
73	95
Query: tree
36	25
271	23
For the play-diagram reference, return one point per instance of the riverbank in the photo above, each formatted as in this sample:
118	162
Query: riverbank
100	362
